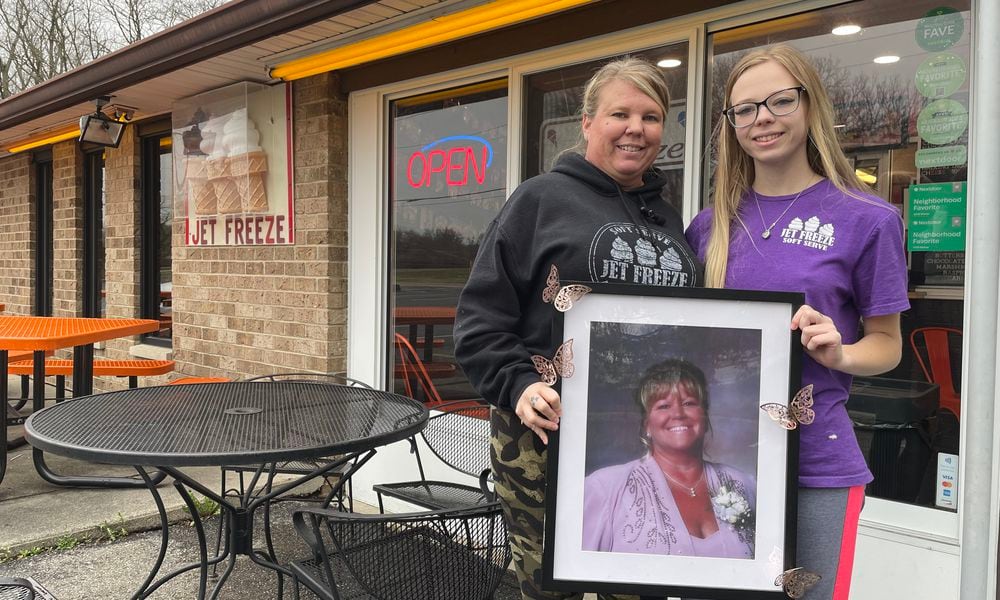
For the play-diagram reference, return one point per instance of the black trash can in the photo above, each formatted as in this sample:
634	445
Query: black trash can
893	422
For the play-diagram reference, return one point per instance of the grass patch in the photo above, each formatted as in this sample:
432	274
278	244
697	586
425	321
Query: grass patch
67	542
29	552
108	531
205	506
113	531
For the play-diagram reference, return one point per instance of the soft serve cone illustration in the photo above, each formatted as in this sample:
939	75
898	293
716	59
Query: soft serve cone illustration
247	161
219	170
200	191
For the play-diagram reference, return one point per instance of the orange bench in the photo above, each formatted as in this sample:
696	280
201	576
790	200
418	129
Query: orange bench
19	355
133	369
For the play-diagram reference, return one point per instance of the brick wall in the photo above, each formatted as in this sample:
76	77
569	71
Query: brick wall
67	229
237	311
122	239
122	232
243	311
17	226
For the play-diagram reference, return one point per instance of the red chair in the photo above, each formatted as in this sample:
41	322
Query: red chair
415	373
937	366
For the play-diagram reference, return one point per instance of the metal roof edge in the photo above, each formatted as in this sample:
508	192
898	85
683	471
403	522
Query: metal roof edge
228	27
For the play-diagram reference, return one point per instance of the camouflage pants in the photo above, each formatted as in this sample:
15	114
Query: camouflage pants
518	457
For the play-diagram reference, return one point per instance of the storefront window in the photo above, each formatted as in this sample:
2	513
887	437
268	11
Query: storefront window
94	258
899	81
43	234
157	223
552	104
448	181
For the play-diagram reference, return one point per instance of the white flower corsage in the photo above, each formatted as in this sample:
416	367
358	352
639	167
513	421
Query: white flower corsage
731	507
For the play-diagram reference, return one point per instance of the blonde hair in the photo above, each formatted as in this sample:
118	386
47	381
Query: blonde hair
734	173
639	72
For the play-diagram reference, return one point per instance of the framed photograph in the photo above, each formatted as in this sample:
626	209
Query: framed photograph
673	472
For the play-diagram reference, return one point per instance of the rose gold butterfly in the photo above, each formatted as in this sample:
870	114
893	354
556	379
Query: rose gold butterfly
561	364
796	582
551	285
568	294
562	297
798	411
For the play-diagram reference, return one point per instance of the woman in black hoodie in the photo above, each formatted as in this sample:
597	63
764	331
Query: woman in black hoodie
597	216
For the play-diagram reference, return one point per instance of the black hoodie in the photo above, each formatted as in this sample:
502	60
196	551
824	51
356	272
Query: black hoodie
577	218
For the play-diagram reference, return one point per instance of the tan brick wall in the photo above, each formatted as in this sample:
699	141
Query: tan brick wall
122	240
67	229
122	231
17	226
243	311
238	311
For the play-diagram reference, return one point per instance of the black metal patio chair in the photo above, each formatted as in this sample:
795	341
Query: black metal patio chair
455	554
460	437
17	588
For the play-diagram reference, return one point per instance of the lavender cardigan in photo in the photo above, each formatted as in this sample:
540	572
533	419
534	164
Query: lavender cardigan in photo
630	508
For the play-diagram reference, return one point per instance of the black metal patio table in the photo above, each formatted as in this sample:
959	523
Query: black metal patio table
176	426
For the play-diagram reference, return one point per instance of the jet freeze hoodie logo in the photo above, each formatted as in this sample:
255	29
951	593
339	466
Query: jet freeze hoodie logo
810	234
627	253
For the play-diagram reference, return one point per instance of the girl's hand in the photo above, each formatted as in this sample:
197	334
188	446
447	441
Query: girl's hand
539	408
820	337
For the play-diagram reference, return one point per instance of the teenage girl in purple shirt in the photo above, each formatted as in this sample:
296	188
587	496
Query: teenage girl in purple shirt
790	214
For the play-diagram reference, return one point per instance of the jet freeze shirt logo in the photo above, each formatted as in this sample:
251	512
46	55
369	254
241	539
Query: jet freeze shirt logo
811	234
627	253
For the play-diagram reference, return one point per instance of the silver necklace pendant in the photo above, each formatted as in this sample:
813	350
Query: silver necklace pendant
692	492
766	233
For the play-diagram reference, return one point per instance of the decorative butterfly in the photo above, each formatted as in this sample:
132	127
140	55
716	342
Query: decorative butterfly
568	294
562	297
561	364
551	285
798	411
796	582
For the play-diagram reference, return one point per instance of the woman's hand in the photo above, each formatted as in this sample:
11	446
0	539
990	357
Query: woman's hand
878	350
820	337
539	408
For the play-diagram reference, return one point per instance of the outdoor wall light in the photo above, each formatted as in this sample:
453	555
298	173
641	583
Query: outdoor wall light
104	130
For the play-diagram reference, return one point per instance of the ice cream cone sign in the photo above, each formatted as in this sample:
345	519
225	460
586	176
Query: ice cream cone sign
247	162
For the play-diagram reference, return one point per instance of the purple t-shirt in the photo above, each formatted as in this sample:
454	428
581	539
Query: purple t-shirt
847	256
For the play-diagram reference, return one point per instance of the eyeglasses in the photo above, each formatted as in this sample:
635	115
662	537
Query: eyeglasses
780	103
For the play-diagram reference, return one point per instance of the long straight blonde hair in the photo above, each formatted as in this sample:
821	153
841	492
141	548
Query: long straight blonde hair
734	173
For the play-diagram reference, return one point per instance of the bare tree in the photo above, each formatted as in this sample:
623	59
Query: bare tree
136	19
40	39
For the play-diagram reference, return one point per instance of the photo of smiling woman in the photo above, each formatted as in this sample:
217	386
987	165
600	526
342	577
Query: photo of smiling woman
679	496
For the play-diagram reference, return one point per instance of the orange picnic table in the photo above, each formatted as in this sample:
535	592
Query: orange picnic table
428	316
45	334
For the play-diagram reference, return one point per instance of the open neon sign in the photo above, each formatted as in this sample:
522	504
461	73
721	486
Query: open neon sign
454	163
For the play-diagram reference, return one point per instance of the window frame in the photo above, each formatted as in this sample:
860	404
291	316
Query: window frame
43	234
369	222
149	224
93	230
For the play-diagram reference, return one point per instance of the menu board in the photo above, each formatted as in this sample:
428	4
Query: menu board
944	268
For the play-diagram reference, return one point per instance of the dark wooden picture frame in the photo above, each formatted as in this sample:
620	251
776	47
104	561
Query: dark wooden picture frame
621	531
